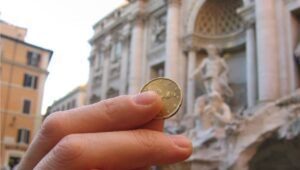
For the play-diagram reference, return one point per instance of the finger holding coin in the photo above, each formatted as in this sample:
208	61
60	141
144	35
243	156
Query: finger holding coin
170	93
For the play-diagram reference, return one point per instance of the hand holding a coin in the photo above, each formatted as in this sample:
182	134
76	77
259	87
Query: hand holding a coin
118	133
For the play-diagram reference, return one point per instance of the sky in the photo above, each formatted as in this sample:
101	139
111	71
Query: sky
64	26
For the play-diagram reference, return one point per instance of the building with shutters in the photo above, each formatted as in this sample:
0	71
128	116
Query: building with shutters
258	40
23	70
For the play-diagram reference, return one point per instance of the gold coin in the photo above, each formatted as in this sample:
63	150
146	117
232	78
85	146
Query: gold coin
170	93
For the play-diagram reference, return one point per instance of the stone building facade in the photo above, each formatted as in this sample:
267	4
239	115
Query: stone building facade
73	99
257	42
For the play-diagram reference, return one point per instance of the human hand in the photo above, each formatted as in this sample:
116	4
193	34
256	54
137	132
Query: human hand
117	133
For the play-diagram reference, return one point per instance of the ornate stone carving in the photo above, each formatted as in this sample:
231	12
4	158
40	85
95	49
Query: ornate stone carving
114	71
210	108
216	18
217	110
214	73
158	31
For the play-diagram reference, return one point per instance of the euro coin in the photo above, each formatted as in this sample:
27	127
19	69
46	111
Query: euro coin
170	93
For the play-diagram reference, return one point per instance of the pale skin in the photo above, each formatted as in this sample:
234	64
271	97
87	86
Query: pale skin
115	134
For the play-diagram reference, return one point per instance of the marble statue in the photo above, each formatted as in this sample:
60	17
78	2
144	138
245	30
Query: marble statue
217	110
214	73
213	111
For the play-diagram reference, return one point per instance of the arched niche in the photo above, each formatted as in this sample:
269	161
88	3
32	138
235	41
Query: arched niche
277	154
217	22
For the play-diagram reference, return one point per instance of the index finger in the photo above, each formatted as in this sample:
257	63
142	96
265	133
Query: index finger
120	113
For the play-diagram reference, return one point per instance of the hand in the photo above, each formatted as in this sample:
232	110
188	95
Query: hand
117	133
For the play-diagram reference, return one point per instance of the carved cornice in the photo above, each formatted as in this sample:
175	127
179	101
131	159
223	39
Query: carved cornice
125	32
198	42
28	67
248	14
138	18
189	43
138	15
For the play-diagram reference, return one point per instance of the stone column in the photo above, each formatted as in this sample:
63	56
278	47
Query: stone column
105	72
136	52
251	66
172	39
267	50
124	65
191	81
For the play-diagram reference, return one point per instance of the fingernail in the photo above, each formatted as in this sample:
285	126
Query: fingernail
181	141
145	98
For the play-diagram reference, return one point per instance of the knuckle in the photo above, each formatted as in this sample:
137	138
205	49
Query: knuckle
68	149
146	140
52	125
108	107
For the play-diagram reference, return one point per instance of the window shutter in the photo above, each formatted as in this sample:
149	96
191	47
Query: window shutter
35	82
19	135
38	60
26	106
27	136
29	57
25	80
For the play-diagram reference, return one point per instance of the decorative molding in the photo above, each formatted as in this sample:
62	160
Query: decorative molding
18	113
5	83
35	69
158	30
248	14
114	70
217	18
189	43
198	42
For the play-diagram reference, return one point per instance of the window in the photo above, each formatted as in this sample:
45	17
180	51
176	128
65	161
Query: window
99	59
33	58
13	161
26	106
118	50
158	70
68	105
92	60
23	136
63	108
73	103
30	81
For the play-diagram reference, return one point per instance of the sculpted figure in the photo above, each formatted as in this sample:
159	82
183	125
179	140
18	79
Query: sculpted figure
214	73
217	111
214	112
159	30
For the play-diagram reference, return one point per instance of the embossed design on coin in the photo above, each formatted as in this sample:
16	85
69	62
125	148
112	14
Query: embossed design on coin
170	93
